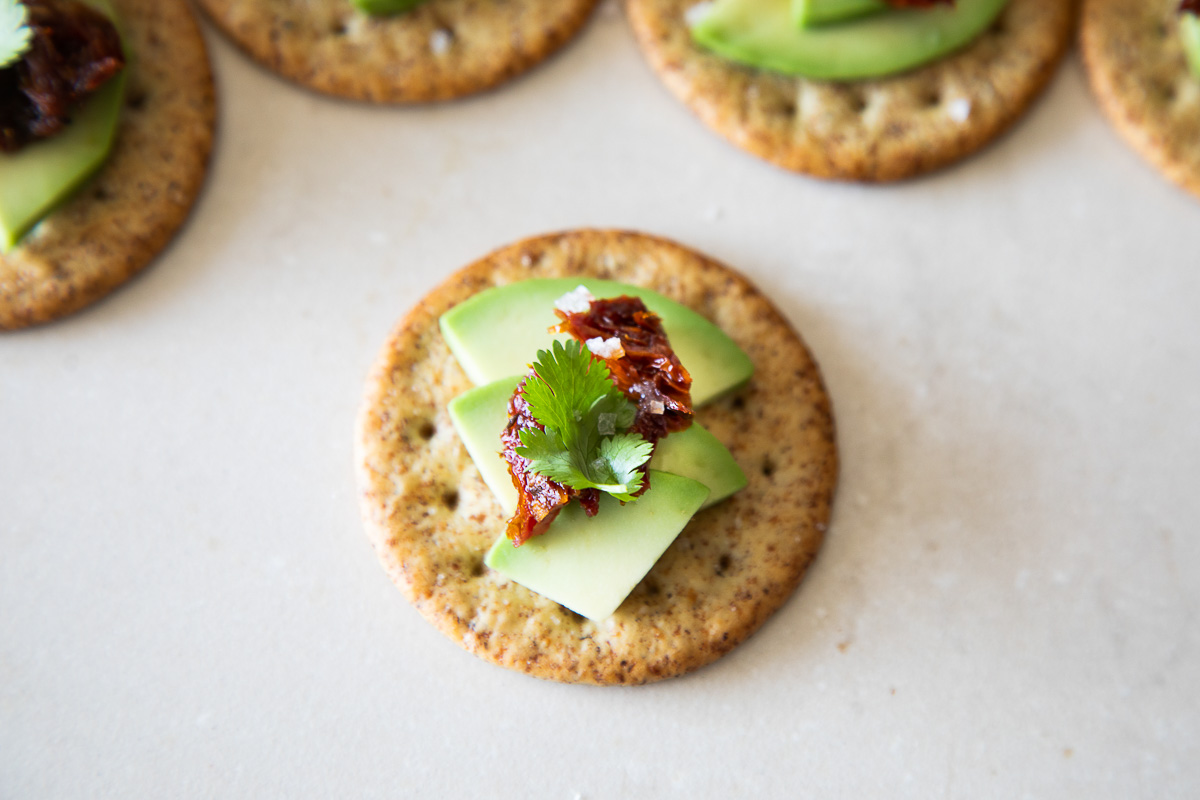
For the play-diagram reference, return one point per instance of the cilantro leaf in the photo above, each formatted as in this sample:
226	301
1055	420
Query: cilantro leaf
584	445
14	32
623	454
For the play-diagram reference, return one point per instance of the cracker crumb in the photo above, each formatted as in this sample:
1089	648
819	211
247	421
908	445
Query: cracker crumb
439	41
960	110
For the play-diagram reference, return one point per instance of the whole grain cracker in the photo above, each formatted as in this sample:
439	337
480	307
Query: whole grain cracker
440	50
431	519
1138	71
125	214
869	130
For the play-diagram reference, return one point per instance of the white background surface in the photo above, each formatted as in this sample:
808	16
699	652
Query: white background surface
1006	602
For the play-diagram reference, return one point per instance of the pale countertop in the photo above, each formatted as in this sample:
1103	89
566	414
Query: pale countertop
1006	603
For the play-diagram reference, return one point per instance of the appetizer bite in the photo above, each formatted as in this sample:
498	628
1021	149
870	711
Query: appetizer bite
1143	62
870	90
106	124
399	51
596	456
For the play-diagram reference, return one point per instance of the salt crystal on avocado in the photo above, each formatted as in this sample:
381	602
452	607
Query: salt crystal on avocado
576	301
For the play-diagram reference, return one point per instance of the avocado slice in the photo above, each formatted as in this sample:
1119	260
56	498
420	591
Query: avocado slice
762	34
480	414
697	454
590	565
40	176
497	333
385	7
1189	30
823	12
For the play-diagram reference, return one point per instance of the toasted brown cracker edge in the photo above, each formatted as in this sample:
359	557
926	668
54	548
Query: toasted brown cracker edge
119	220
329	46
431	519
873	130
1139	74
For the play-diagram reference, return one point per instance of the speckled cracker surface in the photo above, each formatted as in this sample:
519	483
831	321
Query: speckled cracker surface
1138	71
870	130
431	519
118	221
440	50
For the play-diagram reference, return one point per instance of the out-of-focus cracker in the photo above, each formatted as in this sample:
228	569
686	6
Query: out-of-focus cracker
431	519
870	130
440	50
118	221
1138	71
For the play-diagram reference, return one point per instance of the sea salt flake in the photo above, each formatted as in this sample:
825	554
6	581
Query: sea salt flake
576	301
656	407
960	110
696	13
606	348
439	41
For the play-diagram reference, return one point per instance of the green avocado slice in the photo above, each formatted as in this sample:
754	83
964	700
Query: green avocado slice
480	414
40	176
762	34
822	12
1189	30
385	7
591	565
497	333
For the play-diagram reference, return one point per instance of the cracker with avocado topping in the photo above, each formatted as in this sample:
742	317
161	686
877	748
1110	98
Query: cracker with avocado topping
440	50
432	519
1138	71
868	130
128	211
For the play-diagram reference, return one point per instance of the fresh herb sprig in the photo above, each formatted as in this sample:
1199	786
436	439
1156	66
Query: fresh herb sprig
585	444
14	32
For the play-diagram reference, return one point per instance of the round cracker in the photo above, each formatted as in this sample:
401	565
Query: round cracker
329	46
431	519
870	130
120	219
1137	69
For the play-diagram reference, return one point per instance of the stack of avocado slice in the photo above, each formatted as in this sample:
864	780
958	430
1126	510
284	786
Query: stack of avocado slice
590	565
840	39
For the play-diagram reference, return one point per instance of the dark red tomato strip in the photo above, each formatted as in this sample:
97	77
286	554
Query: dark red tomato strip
649	373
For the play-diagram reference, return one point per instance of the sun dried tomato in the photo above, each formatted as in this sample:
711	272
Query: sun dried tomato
1189	6
539	498
649	373
74	50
